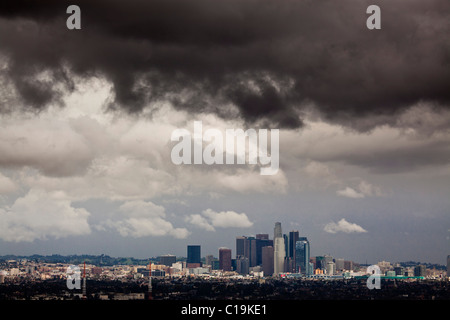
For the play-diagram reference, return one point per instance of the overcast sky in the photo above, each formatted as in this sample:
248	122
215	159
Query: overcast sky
86	118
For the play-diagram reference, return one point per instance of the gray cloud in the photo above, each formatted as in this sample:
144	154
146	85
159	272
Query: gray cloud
268	59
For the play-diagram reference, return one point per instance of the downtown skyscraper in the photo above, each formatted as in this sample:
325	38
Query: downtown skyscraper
279	249
302	255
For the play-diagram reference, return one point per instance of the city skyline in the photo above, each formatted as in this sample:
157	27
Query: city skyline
245	246
88	118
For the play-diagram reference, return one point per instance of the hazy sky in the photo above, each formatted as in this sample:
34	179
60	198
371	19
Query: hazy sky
86	118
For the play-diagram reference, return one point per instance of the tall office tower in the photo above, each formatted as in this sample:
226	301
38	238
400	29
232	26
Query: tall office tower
225	259
286	246
302	256
293	238
250	250
331	268
279	249
193	256
262	240
277	230
261	243
267	260
278	255
248	247
240	244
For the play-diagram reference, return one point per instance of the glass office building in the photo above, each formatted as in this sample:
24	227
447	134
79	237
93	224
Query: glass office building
302	256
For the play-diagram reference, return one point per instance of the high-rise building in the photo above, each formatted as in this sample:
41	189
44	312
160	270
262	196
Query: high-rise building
293	238
277	230
286	246
246	247
267	260
240	244
193	256
320	263
331	268
279	249
251	247
339	264
167	259
261	243
251	253
225	259
302	255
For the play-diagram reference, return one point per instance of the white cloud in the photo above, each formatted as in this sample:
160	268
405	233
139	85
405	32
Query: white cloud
224	219
143	219
369	189
350	193
42	215
199	221
343	226
6	185
364	189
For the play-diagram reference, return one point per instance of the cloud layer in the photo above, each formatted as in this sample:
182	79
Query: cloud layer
257	60
143	219
42	215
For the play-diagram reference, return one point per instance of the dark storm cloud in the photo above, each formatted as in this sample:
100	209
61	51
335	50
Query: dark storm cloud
268	58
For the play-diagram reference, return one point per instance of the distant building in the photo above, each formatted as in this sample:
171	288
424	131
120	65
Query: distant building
242	265
279	251
293	238
331	268
340	264
96	270
267	260
390	273
246	247
193	256
399	271
348	265
209	259
240	244
225	259
419	271
167	259
215	265
251	247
